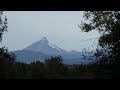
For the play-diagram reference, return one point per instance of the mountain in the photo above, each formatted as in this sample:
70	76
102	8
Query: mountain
43	49
47	48
29	56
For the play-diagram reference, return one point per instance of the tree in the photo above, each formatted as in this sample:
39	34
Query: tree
37	69
54	64
108	25
3	28
3	25
7	60
54	67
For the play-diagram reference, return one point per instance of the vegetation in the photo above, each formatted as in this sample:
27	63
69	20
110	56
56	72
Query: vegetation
104	66
52	68
108	25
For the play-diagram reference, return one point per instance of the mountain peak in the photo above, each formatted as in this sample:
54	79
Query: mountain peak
44	40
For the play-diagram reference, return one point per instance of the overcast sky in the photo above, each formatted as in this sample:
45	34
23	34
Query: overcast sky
60	28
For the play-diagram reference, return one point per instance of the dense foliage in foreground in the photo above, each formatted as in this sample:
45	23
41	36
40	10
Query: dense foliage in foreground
53	68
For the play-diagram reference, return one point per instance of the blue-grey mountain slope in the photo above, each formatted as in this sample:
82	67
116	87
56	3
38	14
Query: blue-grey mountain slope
43	49
29	56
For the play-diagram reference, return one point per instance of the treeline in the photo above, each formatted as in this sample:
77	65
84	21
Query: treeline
53	68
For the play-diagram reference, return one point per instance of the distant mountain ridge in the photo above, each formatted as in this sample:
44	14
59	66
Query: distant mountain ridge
43	49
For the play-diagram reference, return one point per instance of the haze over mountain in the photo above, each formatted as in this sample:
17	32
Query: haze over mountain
43	49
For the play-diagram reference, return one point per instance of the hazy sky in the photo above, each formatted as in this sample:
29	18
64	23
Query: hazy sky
60	28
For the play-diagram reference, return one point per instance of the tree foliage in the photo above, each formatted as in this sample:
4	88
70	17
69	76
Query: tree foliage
106	22
7	60
108	25
3	25
52	68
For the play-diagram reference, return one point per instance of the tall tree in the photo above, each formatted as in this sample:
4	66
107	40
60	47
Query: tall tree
108	25
3	28
7	60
